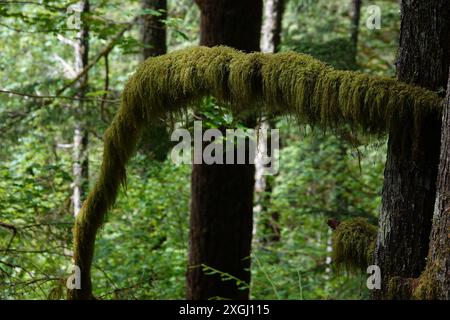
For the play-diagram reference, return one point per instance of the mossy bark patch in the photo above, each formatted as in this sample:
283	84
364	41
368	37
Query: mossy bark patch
353	244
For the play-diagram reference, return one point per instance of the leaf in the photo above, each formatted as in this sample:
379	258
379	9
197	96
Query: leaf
181	34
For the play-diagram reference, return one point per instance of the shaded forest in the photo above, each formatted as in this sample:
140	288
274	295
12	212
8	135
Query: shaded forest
96	95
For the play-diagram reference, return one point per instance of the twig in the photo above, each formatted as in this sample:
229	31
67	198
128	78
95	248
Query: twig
8	226
14	233
17	93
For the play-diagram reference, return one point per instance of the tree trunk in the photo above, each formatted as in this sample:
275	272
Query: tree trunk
155	141
413	150
271	28
439	255
153	28
81	134
270	42
222	195
356	17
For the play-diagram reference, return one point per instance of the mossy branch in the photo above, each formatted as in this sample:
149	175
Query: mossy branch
353	244
287	83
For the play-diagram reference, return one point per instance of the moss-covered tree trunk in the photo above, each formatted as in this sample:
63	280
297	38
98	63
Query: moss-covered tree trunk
435	282
413	151
221	218
155	142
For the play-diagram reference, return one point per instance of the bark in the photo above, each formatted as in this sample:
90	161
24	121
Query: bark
413	150
155	141
439	255
221	218
356	17
233	23
270	42
271	28
81	135
153	29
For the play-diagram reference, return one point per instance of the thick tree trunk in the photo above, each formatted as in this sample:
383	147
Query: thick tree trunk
439	256
413	151
222	195
155	141
81	134
234	23
153	29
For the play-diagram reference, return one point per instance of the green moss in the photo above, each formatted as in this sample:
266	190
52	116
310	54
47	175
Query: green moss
427	287
353	244
287	83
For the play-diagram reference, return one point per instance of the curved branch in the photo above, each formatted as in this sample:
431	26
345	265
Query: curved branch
288	83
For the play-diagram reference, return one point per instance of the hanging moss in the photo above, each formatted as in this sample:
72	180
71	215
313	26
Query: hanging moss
353	244
287	83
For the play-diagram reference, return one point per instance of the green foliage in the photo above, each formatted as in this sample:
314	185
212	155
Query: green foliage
143	247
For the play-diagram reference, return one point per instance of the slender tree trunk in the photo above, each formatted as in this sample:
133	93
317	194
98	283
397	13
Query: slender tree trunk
439	256
356	17
413	150
221	217
155	141
81	134
270	42
153	29
271	28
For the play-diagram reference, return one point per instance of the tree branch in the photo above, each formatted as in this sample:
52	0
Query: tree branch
54	97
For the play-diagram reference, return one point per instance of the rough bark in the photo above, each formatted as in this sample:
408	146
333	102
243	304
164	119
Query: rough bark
439	256
81	134
153	28
271	28
80	146
413	150
356	17
221	218
155	142
270	42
